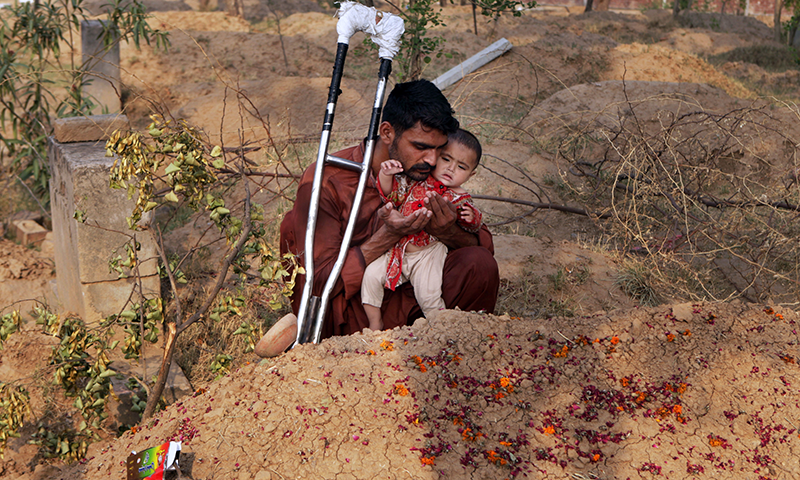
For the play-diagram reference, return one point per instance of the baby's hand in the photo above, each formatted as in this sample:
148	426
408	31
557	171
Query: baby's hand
466	215
391	167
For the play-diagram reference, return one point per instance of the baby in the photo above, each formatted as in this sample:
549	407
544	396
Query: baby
419	258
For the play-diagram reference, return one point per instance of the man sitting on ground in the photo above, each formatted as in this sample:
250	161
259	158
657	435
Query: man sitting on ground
417	119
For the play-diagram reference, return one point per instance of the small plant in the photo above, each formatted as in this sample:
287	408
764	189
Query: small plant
558	308
419	48
636	280
558	280
192	169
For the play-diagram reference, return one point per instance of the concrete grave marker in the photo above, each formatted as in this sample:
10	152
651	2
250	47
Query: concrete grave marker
102	82
80	182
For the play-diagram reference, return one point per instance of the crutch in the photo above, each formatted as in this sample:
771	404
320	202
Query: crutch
386	33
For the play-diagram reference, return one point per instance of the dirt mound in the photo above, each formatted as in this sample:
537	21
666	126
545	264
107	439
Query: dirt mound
20	263
655	63
198	22
569	105
556	273
748	27
706	390
269	9
788	81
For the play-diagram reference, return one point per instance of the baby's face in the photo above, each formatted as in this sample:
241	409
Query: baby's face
455	165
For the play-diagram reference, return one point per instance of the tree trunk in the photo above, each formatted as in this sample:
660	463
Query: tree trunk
676	8
163	372
588	6
475	18
777	20
443	3
234	8
369	3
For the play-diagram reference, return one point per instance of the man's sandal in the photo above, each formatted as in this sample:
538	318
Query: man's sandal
279	338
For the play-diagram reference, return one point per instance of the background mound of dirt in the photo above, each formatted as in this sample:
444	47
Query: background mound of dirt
706	389
198	22
741	25
659	64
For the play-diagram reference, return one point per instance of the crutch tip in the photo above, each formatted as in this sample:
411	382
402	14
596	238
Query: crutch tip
278	338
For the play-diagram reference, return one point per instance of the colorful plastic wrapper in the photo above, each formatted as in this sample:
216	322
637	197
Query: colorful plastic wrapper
151	464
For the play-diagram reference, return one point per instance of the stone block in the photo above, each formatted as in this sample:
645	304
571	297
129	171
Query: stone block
26	215
101	299
48	246
102	83
93	128
28	232
80	182
177	385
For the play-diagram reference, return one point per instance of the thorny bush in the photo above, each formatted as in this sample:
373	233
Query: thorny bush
708	201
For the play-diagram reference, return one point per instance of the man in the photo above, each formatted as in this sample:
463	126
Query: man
417	119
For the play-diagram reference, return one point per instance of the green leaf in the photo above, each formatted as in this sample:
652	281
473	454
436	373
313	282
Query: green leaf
218	163
216	152
240	331
172	168
171	197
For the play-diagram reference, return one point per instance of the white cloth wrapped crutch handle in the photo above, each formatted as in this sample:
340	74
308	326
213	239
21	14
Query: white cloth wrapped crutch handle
386	33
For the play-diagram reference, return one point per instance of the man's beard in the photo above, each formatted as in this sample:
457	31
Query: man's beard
418	172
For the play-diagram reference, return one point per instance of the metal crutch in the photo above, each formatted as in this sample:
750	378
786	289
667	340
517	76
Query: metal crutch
386	34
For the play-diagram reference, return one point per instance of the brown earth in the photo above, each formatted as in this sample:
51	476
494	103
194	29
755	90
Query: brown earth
688	391
680	391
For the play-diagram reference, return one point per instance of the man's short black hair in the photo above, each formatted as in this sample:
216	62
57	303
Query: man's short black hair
470	141
419	101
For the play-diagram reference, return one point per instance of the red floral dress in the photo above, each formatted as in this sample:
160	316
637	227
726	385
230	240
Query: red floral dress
408	196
